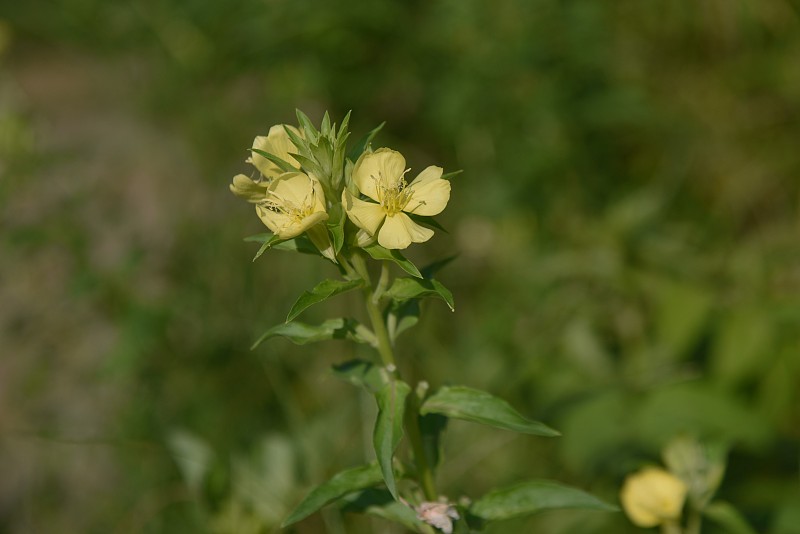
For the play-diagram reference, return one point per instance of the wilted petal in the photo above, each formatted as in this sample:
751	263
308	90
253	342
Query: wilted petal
430	193
365	215
399	231
384	165
248	189
278	144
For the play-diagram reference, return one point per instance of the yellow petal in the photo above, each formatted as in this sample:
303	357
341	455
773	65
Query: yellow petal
287	227
399	231
247	189
384	164
294	187
277	143
653	496
365	215
430	193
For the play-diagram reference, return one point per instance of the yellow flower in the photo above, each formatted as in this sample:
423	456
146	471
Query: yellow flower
380	175
653	496
277	143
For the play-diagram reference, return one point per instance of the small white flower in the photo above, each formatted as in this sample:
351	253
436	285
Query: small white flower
438	514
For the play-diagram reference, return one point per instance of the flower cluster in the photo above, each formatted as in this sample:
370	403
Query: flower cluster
307	185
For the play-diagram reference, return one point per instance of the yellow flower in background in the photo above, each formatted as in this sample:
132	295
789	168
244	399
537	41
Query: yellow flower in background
653	496
380	175
277	143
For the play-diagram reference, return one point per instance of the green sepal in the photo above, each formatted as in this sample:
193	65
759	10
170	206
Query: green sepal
363	374
389	428
413	288
362	144
728	517
302	333
461	402
378	252
379	502
341	484
321	292
448	175
532	497
284	165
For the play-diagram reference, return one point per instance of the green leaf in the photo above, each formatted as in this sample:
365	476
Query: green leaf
325	127
341	484
306	125
363	374
282	164
362	144
378	252
532	497
431	427
302	333
432	268
380	503
448	175
321	292
460	402
427	221
301	244
267	241
401	316
412	288
389	427
728	517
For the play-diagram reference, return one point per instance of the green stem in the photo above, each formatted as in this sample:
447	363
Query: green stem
412	417
694	522
670	527
414	436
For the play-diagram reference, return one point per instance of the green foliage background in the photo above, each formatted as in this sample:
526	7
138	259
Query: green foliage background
627	223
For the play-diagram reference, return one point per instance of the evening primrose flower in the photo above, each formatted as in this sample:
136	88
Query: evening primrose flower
380	176
289	205
653	497
277	143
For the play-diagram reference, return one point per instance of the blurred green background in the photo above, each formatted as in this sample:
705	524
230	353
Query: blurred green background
627	223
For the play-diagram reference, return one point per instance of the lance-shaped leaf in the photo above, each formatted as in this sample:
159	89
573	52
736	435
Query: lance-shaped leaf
380	502
389	427
322	291
283	165
343	483
363	374
308	127
728	517
336	220
532	497
362	144
267	241
401	316
411	288
460	402
378	252
302	333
